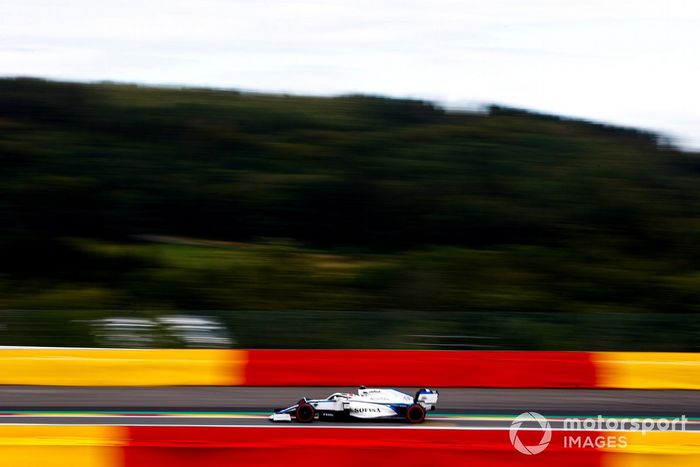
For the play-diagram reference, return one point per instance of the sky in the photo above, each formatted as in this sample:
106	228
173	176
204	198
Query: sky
632	63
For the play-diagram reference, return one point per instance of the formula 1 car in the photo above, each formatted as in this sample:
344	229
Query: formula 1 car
366	404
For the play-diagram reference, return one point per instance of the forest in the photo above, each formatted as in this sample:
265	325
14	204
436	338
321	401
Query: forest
387	217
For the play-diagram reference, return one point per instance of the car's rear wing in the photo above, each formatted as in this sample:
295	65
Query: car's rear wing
427	398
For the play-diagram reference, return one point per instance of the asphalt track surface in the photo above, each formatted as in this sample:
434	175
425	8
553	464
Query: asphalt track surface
459	408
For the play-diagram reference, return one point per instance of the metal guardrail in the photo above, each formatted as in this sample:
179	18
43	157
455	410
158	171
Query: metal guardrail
408	329
459	342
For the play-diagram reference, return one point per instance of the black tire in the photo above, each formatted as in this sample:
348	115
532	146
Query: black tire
415	414
305	413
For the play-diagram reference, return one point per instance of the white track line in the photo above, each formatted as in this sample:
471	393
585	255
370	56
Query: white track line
344	427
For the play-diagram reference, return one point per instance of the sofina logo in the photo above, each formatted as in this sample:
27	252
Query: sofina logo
532	418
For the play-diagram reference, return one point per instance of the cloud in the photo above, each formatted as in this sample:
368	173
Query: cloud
629	61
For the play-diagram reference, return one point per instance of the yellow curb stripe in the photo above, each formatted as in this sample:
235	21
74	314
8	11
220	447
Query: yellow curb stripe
61	446
654	449
647	370
117	367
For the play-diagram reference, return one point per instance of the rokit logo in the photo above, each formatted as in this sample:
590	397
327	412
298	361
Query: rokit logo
364	410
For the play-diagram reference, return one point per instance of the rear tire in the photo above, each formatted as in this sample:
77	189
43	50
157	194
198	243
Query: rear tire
415	414
305	413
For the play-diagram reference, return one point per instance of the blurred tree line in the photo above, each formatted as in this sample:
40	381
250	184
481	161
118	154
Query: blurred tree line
128	197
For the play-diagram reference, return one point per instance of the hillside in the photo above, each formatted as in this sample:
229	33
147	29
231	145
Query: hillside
345	203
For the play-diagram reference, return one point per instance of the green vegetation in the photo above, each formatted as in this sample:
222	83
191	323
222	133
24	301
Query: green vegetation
120	197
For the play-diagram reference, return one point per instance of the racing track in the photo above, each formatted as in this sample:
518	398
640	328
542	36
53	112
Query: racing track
223	426
246	405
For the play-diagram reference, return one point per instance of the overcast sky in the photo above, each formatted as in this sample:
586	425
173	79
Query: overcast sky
630	62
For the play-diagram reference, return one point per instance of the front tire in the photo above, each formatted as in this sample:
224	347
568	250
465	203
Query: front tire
415	414
305	413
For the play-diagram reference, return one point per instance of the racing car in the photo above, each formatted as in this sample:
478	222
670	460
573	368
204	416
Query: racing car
368	403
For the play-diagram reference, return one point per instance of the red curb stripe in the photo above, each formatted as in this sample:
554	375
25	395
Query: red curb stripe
420	368
310	447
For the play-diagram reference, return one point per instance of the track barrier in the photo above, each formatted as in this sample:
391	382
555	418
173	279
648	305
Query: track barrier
429	368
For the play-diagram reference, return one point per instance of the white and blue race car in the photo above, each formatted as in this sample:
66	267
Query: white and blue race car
368	403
